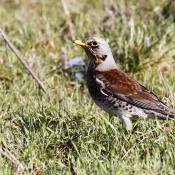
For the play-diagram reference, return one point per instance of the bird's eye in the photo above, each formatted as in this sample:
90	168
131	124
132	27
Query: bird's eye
93	44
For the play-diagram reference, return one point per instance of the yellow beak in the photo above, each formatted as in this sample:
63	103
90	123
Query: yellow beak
80	43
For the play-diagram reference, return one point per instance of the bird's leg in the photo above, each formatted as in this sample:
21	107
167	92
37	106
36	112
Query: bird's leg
127	122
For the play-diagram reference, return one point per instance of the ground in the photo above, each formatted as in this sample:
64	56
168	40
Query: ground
63	131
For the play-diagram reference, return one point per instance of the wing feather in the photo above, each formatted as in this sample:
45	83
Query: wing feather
120	85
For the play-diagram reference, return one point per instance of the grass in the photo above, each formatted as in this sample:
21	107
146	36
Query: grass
67	133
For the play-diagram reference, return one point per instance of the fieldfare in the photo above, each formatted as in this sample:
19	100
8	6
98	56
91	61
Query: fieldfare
115	91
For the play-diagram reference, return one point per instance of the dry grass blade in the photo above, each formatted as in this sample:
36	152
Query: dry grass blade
68	20
20	169
19	56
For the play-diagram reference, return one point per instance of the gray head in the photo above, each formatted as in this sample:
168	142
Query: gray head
98	51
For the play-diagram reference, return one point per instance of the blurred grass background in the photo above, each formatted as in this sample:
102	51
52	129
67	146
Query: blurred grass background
66	133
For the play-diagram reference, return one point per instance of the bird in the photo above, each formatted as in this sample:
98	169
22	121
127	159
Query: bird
115	91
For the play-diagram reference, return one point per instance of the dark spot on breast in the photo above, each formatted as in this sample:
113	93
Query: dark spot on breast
104	57
130	107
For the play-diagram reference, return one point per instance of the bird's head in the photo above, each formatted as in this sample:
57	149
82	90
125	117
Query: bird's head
99	52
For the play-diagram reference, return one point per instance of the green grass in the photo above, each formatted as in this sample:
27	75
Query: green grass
67	133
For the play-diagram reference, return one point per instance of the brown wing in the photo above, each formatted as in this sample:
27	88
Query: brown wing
119	84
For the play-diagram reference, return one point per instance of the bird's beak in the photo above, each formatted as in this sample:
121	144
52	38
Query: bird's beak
80	43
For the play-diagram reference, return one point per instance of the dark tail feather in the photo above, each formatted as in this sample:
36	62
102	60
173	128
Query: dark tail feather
171	114
162	112
166	114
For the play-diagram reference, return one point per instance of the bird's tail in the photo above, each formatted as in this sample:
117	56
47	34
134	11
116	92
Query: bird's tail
171	114
162	112
166	112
